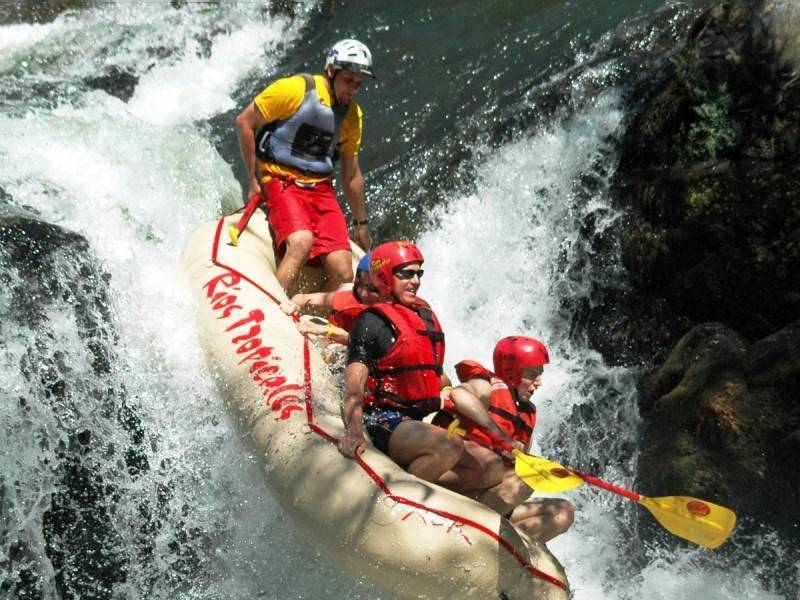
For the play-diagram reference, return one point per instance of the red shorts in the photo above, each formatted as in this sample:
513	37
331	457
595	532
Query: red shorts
315	209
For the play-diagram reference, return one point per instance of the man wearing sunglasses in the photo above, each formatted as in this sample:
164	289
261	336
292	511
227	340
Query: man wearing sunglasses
296	129
396	350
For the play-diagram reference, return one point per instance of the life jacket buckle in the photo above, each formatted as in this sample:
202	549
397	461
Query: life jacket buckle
306	185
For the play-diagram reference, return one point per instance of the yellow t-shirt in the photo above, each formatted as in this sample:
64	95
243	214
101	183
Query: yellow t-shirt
282	98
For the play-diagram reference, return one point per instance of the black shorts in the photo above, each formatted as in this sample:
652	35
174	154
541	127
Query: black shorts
380	423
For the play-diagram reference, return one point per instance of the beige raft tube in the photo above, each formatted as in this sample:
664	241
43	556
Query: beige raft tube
369	516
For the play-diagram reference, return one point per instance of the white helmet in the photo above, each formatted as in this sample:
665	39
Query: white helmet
351	55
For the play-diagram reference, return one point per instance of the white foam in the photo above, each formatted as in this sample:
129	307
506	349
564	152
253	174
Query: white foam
22	36
135	182
197	88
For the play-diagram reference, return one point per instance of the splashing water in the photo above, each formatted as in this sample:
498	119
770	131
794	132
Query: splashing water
141	442
519	250
108	413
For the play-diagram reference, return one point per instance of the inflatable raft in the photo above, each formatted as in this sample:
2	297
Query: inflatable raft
369	516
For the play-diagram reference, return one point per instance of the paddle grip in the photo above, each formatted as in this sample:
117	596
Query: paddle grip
250	208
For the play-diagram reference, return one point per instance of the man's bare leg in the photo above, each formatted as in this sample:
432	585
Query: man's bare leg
425	449
544	518
298	247
478	469
508	494
338	267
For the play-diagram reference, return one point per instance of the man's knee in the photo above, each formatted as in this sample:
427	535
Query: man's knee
339	266
299	244
565	516
413	439
448	451
513	490
493	472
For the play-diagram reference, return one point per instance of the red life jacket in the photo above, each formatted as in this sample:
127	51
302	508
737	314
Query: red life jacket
516	420
407	378
345	309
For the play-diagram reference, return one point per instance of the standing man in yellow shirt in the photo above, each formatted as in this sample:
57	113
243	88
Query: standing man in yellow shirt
295	129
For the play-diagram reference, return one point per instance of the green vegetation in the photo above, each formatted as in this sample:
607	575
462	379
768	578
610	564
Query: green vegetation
704	198
643	248
713	131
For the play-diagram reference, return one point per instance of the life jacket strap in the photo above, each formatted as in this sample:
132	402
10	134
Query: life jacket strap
397	401
407	369
511	417
430	332
434	336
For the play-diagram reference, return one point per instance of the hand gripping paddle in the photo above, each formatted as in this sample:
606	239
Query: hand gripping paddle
234	231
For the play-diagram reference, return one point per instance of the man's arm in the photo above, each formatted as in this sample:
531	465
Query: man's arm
371	338
471	400
248	122
353	187
324	299
352	442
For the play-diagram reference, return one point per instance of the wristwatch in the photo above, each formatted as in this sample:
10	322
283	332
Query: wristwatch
357	223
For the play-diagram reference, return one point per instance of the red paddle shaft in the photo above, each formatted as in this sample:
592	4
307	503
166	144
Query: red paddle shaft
590	479
252	203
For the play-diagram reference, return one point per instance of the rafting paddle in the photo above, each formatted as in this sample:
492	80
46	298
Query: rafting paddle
234	231
698	521
539	473
543	475
704	523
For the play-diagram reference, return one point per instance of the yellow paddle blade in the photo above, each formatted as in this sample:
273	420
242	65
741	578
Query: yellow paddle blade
544	475
233	233
696	520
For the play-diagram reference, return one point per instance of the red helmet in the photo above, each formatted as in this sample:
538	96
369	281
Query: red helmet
514	353
387	257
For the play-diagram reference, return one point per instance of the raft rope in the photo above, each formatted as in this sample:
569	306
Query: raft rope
308	389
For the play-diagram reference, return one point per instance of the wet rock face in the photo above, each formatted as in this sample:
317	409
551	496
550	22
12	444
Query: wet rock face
37	11
710	175
49	274
709	178
723	423
116	82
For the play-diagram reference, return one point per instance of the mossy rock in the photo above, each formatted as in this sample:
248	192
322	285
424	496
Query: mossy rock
722	419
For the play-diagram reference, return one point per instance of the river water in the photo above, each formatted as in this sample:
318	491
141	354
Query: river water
491	136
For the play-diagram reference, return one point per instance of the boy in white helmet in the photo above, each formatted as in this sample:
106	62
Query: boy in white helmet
293	131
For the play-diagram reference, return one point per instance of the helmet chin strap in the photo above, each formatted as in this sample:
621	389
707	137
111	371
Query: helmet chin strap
515	395
331	84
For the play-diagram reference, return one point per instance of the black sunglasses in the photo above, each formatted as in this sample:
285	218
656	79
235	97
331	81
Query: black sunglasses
408	273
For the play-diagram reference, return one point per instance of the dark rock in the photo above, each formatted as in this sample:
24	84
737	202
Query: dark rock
722	423
56	275
710	179
116	82
776	357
